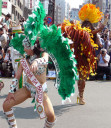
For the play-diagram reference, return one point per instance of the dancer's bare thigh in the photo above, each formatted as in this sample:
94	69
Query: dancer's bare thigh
19	96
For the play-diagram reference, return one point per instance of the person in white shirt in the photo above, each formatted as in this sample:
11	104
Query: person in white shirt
6	22
3	38
103	68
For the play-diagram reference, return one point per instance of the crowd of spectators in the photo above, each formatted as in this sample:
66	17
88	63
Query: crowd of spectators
103	55
6	34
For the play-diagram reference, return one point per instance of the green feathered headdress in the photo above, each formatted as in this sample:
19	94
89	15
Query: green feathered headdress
16	43
35	22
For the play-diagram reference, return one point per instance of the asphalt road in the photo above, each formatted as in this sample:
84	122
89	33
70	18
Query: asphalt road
96	113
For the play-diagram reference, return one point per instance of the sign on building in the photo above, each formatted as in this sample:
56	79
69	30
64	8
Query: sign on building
31	4
4	4
6	7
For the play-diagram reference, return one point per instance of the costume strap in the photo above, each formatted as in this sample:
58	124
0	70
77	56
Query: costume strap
9	112
38	86
13	86
49	124
11	120
41	61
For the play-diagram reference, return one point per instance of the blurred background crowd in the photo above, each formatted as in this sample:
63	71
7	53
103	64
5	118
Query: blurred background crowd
7	32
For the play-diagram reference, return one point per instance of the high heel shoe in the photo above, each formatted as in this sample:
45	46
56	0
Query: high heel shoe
80	100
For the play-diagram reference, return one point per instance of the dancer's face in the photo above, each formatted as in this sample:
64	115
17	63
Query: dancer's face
88	26
28	51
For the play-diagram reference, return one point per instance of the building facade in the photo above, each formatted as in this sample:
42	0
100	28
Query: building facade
57	15
60	4
13	7
105	7
74	14
67	10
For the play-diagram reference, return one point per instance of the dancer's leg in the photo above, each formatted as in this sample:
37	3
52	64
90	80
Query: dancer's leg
50	121
20	96
81	87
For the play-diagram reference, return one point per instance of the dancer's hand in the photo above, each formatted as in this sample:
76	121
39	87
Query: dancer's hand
10	97
1	85
34	66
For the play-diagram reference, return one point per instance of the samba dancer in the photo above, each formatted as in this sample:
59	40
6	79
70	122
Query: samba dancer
16	97
85	40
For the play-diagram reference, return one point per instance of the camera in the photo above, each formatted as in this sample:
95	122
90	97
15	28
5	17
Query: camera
102	52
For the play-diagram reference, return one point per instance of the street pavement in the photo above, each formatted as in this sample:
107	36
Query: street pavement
96	113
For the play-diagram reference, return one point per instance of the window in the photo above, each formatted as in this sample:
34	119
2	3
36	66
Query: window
16	13
20	5
13	10
14	18
18	2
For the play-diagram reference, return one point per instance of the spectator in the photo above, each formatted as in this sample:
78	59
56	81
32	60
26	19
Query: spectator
110	35
103	68
10	35
3	38
7	64
106	43
6	22
1	61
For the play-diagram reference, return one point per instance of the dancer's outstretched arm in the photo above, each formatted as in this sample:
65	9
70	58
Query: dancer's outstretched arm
14	85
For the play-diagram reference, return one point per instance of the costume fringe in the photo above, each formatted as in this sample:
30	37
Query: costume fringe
83	47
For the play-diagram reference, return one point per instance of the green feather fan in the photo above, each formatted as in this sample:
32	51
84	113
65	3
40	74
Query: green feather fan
57	46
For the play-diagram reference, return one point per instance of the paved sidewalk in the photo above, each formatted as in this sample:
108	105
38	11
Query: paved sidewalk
95	114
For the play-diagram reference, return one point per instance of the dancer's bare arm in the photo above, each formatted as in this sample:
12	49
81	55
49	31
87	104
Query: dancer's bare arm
18	75
98	29
19	72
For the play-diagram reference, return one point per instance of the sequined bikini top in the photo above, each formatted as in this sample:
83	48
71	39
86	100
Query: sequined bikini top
41	68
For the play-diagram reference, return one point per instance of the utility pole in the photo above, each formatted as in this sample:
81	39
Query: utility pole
51	9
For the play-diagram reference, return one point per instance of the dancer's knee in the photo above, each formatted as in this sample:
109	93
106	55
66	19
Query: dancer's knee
7	106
